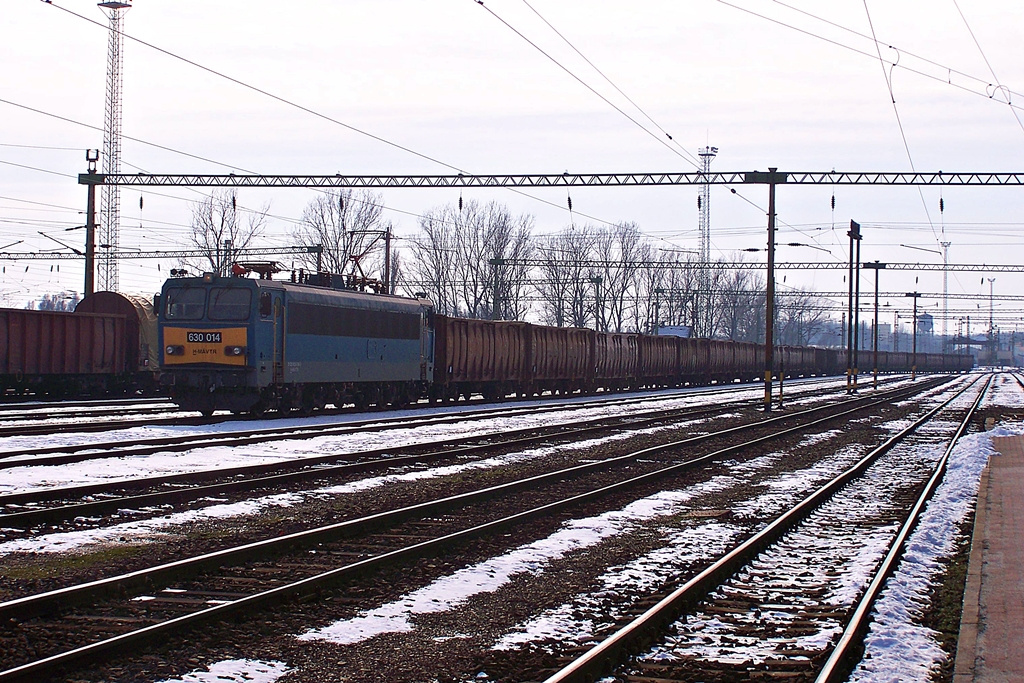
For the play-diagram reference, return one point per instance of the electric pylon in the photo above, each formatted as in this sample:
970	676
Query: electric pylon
703	317
110	209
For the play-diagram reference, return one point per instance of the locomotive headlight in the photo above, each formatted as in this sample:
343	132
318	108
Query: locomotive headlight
174	350
234	350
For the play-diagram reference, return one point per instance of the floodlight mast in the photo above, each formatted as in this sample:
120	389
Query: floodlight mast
703	317
111	199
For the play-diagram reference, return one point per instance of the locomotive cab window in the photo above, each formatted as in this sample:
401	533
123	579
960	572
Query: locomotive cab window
186	303
266	304
230	303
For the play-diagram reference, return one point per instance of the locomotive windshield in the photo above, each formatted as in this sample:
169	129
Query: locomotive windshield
185	303
230	303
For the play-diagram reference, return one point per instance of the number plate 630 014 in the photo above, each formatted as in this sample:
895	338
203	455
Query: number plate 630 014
203	337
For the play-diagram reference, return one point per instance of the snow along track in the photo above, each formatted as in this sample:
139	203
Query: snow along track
322	535
771	609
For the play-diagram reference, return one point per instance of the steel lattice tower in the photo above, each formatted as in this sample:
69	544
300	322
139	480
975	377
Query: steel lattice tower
110	201
703	317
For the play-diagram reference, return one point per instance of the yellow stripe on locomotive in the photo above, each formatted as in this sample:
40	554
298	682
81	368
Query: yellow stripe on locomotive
183	345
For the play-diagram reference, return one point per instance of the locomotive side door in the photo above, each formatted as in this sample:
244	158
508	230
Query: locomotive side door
279	338
272	311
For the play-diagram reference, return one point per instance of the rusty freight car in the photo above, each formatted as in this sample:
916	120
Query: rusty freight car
52	353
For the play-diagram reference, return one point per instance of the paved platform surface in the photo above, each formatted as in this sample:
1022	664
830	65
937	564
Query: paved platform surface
991	646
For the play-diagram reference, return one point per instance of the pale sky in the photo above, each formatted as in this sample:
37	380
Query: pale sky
450	81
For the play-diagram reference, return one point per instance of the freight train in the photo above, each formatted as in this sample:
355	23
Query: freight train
253	345
107	346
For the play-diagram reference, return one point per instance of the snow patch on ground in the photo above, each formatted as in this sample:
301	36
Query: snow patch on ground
455	589
1005	392
235	671
158	528
575	622
29	477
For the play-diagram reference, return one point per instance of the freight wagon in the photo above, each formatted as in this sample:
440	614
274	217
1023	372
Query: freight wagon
251	345
106	346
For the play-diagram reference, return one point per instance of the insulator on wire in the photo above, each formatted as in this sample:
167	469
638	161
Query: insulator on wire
833	202
233	198
570	203
460	203
140	202
698	202
942	205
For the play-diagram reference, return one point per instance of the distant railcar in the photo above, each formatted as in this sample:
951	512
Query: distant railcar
105	347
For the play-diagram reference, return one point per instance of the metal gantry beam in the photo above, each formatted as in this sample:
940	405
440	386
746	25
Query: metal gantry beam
553	179
170	254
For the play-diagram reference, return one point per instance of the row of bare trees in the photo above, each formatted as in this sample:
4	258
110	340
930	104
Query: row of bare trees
483	261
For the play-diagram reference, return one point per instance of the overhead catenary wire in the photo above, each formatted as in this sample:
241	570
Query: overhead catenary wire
681	151
899	121
205	159
863	53
296	105
995	78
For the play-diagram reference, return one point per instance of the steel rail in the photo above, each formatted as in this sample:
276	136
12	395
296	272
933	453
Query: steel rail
74	453
64	598
309	468
65	426
25	518
836	664
639	632
7	404
243	438
44	494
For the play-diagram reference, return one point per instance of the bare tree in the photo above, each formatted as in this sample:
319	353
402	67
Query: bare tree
665	291
801	317
350	228
740	308
463	254
218	231
621	250
509	242
567	295
433	268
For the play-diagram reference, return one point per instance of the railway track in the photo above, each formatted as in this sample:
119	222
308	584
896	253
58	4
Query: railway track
786	604
165	599
71	453
91	417
57	418
59	505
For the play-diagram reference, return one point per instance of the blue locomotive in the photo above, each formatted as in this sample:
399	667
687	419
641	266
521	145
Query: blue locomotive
252	345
